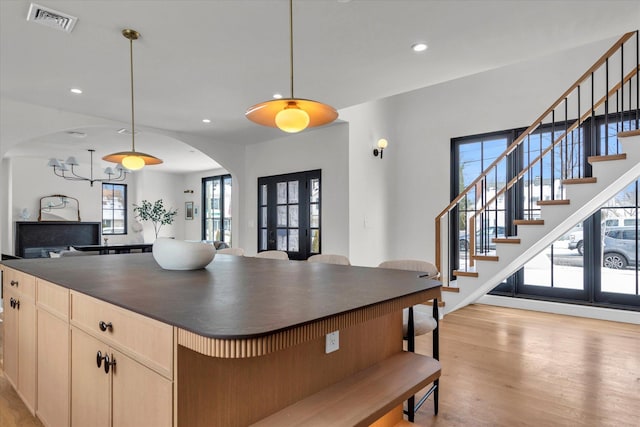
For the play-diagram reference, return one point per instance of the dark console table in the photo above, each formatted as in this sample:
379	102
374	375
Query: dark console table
115	249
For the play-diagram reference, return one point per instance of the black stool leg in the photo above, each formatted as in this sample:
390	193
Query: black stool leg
411	346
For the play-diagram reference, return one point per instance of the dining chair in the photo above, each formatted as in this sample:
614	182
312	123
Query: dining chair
418	321
231	251
273	255
329	259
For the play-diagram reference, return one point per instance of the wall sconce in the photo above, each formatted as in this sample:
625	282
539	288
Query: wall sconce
382	144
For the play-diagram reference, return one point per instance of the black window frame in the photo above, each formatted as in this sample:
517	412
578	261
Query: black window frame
124	210
225	223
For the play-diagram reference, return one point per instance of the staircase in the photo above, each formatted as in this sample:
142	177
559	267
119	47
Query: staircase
579	183
612	175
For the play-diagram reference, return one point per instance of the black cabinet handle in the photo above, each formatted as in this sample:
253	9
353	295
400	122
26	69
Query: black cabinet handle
17	304
99	358
104	326
12	303
14	283
108	363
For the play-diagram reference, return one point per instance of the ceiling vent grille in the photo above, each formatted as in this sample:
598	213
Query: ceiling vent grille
51	18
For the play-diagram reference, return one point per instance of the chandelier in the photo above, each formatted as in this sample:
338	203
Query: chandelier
291	114
67	170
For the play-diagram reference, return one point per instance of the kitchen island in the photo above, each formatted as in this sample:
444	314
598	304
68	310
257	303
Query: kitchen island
227	345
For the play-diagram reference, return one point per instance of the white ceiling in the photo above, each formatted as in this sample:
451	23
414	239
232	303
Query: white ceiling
213	59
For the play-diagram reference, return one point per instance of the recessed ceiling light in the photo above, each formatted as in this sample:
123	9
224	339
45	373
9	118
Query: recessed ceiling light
206	121
419	47
277	96
76	90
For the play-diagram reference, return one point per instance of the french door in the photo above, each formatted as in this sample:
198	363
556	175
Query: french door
289	213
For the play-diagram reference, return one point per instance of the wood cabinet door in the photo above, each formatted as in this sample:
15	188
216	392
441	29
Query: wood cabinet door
141	397
53	370
90	385
27	351
10	343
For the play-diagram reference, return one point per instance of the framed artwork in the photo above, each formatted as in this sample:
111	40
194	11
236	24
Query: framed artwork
188	210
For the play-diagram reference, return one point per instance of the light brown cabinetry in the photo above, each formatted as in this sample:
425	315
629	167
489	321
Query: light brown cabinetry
121	367
52	304
20	334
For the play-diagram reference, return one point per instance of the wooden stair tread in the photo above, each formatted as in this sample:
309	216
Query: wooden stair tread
485	257
587	180
627	133
593	159
506	240
553	202
528	221
450	289
465	273
363	397
430	303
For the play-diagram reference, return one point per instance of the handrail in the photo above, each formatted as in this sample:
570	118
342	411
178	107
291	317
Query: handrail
537	123
543	153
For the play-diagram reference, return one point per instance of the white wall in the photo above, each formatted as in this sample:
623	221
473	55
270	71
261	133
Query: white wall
403	193
324	148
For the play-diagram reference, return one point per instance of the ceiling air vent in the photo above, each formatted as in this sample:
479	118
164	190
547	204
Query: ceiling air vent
51	18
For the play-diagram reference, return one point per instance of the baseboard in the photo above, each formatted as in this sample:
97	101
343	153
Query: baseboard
601	313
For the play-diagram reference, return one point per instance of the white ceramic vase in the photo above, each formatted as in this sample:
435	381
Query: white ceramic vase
172	254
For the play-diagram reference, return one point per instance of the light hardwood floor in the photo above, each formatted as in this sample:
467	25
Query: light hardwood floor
506	367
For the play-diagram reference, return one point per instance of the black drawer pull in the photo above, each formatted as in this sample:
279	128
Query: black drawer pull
108	363
14	283
99	358
104	326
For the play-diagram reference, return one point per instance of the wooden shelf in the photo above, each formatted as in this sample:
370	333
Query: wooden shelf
362	398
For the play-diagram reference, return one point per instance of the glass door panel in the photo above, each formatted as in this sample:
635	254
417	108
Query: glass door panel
619	248
289	213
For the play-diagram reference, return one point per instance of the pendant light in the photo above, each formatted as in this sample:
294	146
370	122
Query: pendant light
132	160
291	114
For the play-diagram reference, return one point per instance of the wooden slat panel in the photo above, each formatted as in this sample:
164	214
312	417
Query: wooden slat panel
362	398
260	346
237	392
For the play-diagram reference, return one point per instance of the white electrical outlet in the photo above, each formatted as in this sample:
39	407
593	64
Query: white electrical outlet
332	342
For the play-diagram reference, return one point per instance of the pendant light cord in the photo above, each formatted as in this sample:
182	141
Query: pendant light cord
133	129
291	42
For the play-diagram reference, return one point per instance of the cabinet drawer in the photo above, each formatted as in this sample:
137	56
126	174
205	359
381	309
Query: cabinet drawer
147	340
53	298
24	284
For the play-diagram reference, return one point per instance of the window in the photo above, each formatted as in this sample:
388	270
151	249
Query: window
289	214
217	217
114	209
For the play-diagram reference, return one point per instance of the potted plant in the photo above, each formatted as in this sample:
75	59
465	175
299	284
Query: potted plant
156	213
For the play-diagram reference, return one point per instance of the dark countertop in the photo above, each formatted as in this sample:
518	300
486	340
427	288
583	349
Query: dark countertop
234	297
